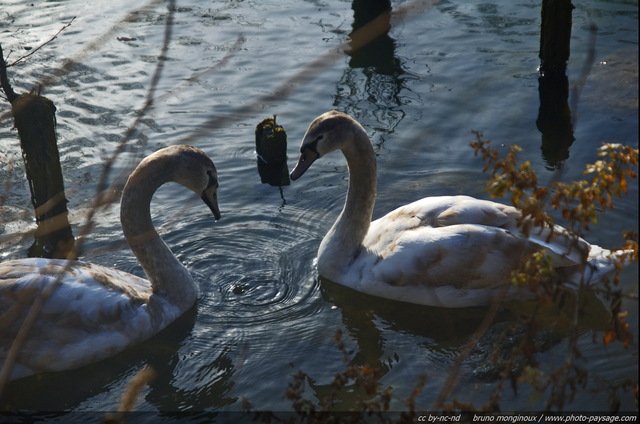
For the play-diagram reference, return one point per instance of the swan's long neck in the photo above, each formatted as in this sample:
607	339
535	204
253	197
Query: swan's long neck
168	277
343	242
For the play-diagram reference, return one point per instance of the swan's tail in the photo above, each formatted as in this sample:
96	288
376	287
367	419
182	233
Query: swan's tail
601	262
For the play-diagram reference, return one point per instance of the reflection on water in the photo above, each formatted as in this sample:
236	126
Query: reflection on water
370	87
51	392
511	342
554	119
262	313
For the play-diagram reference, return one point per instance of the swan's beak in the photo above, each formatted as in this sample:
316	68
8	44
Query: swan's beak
210	197
306	159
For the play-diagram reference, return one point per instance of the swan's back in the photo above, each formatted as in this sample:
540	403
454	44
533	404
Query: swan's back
437	212
93	313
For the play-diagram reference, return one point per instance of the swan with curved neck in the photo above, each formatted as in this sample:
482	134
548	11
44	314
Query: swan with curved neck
96	311
448	251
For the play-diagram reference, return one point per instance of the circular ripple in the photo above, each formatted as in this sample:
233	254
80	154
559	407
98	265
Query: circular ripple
255	268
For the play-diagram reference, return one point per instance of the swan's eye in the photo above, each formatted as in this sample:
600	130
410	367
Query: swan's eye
313	146
213	180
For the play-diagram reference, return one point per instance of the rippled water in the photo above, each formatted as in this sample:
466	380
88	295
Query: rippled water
262	312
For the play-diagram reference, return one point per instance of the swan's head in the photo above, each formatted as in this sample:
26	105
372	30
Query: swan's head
328	132
210	193
192	168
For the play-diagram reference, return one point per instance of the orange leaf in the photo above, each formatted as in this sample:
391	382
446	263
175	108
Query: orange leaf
623	185
609	337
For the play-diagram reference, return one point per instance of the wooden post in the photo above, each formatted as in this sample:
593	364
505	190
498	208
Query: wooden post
34	117
555	36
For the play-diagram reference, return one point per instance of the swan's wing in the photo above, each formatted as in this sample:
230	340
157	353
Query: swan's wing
463	256
454	266
445	211
440	211
94	292
92	313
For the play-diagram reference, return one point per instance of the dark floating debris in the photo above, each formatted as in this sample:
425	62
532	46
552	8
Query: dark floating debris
241	289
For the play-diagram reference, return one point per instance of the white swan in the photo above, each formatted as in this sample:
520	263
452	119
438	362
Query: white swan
449	251
96	312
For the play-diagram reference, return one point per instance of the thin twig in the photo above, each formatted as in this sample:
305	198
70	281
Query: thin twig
197	77
23	58
147	105
4	79
24	330
69	64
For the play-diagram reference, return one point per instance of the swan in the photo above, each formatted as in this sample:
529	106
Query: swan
447	251
96	311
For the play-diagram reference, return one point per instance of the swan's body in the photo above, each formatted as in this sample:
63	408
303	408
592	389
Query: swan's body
95	312
450	251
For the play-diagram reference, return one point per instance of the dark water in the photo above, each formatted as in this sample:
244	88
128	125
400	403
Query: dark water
262	313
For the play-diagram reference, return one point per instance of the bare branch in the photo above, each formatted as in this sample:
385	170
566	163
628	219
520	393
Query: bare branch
4	79
23	58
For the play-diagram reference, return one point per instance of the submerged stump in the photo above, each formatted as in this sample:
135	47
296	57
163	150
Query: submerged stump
271	146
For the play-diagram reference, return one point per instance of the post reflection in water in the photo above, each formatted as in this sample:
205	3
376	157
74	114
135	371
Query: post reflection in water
554	119
554	116
375	77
